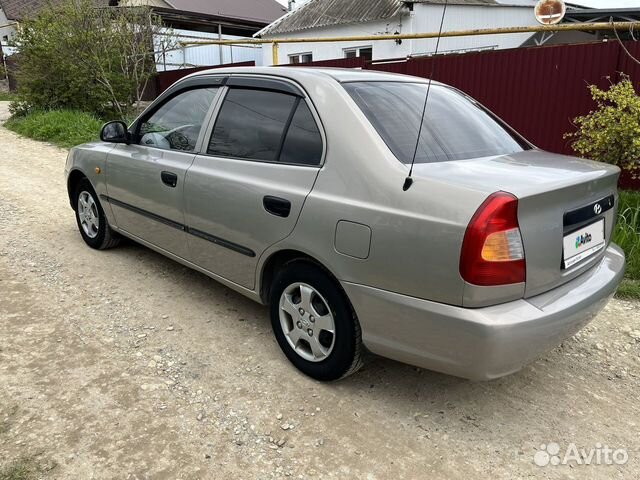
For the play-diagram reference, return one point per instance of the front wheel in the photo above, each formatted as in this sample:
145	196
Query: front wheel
92	222
314	323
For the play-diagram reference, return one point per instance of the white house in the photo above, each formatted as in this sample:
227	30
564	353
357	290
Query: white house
344	18
7	30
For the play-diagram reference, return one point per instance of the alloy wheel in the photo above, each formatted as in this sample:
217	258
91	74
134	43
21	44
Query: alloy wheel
307	322
88	214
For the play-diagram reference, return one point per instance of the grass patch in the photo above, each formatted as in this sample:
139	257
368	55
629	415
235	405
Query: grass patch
7	97
627	235
629	289
64	128
24	468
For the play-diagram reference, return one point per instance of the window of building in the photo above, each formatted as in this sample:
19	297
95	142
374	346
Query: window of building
364	52
301	58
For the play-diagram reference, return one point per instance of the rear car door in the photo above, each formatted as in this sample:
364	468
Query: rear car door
246	189
145	180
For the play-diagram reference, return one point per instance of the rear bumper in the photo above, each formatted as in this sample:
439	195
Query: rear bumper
482	343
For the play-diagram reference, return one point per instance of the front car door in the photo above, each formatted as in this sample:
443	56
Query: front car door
145	180
246	189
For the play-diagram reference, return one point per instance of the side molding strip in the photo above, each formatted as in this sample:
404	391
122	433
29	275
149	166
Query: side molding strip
221	241
196	233
144	213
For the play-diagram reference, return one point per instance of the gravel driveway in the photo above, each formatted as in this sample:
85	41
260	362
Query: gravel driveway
124	364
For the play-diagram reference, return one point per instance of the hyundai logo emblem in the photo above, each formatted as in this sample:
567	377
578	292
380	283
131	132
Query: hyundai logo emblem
597	209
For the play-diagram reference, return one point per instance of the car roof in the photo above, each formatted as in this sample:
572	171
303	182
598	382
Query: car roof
300	73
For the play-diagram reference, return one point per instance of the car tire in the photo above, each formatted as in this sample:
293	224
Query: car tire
91	220
306	303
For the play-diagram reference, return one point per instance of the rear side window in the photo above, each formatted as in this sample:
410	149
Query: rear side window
454	128
267	126
303	143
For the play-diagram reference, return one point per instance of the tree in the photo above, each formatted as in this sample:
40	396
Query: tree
611	132
79	56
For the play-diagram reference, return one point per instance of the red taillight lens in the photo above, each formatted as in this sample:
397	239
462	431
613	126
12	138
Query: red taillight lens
492	251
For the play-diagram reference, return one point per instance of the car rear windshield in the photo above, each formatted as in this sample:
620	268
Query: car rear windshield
455	128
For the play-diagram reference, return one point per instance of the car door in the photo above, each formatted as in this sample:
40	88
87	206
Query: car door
246	189
145	180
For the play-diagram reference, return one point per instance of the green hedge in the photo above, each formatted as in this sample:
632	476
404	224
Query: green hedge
627	235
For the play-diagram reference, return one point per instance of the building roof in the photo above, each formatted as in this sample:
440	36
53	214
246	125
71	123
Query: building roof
457	2
481	3
602	14
323	13
255	11
261	11
19	9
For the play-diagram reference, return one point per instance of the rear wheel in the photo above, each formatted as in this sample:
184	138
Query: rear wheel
92	222
314	323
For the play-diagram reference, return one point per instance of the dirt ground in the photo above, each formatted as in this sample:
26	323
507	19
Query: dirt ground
123	364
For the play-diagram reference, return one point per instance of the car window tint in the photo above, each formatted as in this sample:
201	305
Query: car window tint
250	124
454	128
303	143
177	123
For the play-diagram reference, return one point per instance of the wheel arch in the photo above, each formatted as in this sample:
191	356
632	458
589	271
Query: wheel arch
281	257
75	177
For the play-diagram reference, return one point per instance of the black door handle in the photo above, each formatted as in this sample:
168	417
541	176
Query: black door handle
169	178
280	207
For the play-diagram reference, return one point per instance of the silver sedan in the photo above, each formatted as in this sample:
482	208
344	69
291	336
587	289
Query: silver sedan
290	186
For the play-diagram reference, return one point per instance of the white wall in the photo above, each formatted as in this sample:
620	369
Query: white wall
328	51
7	29
427	18
424	18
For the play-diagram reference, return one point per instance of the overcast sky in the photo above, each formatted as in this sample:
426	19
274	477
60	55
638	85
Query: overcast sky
587	3
608	3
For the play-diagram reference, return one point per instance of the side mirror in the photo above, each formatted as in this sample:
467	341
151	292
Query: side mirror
115	132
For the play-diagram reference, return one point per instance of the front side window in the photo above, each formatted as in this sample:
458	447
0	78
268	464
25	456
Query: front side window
267	126
177	123
454	127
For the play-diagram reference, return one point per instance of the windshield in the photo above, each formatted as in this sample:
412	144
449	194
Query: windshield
455	128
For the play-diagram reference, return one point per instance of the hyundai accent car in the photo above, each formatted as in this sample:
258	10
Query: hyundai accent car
289	185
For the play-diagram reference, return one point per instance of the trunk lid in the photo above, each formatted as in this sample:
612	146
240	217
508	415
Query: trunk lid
557	197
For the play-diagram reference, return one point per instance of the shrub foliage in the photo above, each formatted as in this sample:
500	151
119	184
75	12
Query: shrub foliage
74	55
611	132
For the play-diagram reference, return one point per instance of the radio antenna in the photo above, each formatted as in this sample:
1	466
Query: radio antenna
409	181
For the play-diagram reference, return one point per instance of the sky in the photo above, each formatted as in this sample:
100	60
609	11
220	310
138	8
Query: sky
608	3
586	3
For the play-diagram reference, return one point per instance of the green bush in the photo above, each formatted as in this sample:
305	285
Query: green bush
76	56
611	132
64	128
627	235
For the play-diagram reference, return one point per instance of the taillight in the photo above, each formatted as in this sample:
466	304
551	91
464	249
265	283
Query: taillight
492	251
